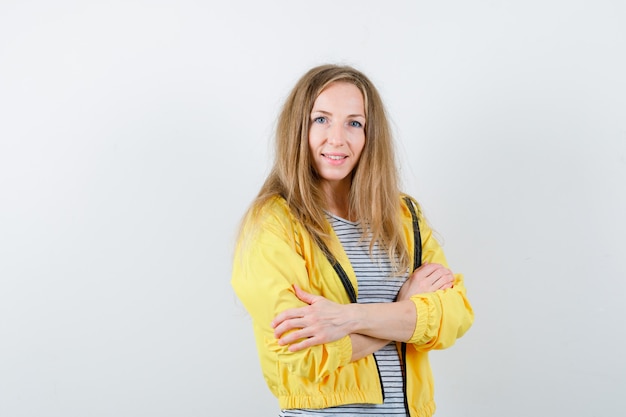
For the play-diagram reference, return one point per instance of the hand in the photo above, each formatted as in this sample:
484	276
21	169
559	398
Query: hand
322	321
427	278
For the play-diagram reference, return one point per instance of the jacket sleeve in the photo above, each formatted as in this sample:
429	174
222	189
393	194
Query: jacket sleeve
442	316
267	263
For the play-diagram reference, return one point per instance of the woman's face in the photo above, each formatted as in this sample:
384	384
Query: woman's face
337	133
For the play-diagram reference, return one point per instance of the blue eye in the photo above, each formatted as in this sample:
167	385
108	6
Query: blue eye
320	119
354	123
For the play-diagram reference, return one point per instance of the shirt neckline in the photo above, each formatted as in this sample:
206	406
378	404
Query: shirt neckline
341	219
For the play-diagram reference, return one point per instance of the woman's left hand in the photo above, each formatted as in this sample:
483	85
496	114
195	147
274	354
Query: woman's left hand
322	321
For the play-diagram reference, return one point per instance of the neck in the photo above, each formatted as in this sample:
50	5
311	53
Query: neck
338	199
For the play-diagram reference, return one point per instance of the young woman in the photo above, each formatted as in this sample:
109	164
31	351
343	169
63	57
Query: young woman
347	288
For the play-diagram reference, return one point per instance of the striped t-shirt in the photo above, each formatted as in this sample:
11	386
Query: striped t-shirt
376	284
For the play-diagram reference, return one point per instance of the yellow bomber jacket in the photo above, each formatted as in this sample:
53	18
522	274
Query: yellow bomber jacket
277	252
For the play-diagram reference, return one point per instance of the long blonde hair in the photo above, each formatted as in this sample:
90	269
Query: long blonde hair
374	194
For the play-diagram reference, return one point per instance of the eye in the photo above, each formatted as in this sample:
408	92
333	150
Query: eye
319	119
356	123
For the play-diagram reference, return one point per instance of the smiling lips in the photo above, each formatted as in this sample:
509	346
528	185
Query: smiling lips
334	157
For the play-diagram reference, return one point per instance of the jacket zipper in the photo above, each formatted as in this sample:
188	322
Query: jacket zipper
404	378
347	284
417	262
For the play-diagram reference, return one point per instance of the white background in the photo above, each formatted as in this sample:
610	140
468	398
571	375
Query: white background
133	135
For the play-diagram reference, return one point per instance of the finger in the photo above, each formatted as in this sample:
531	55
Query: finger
434	280
425	270
298	321
444	281
452	279
286	326
437	275
306	343
293	337
447	286
303	295
428	268
307	340
294	312
289	314
436	270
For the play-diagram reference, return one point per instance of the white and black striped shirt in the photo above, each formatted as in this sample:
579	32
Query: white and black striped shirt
376	284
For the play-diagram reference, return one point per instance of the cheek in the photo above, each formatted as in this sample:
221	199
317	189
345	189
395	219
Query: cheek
361	144
315	138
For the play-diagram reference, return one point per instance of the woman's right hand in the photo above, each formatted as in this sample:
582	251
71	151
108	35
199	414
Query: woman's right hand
429	277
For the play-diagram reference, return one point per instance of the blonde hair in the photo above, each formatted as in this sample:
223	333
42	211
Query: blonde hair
374	194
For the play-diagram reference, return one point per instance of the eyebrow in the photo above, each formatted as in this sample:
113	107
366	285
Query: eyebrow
324	112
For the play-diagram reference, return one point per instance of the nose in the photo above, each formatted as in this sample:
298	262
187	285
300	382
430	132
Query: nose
336	135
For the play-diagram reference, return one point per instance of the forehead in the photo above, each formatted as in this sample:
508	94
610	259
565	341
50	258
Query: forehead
339	95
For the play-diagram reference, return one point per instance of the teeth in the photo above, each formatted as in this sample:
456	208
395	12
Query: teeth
334	157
